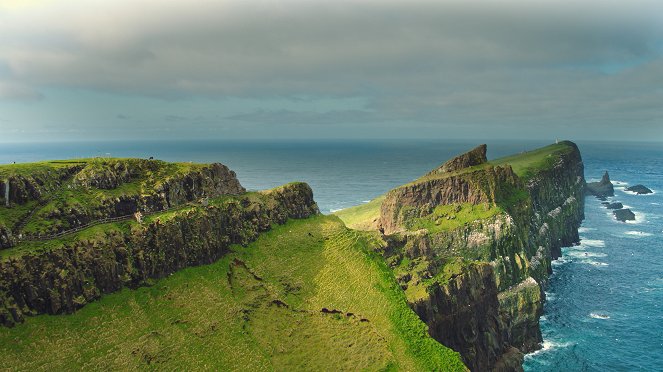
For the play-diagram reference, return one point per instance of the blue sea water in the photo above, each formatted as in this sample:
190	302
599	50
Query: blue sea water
605	299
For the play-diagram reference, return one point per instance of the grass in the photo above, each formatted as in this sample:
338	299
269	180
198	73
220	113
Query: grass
362	217
452	216
258	308
529	163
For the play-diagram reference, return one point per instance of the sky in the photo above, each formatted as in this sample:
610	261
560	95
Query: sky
165	69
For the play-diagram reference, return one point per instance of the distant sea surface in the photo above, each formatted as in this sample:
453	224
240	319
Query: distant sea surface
605	300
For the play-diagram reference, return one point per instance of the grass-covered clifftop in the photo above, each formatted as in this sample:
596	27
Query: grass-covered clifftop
471	242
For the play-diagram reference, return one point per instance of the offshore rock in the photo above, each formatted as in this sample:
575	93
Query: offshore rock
624	215
602	188
639	189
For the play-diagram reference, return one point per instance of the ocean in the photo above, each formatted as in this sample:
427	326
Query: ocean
604	308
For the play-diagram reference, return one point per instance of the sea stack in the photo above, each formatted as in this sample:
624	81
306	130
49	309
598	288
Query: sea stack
602	188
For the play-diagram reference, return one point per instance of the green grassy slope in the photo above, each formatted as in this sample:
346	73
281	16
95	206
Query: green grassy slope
362	217
261	307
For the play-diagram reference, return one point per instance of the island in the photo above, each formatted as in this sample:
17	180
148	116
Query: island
176	266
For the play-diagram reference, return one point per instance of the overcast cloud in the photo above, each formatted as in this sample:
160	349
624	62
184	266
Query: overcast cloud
510	69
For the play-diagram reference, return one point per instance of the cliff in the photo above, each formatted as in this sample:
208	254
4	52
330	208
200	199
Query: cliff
471	243
40	199
61	275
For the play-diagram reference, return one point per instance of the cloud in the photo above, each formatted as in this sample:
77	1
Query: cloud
523	62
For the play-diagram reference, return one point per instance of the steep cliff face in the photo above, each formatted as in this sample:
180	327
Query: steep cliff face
473	247
65	276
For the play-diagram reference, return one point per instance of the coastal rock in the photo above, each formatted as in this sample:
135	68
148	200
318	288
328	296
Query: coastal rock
602	188
616	205
624	215
639	189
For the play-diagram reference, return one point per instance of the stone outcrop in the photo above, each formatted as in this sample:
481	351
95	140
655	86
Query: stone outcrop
624	215
488	309
602	188
476	156
639	189
64	278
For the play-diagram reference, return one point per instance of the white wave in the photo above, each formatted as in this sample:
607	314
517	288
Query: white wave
618	183
581	254
655	203
596	243
550	296
549	346
585	229
560	261
638	233
599	316
594	263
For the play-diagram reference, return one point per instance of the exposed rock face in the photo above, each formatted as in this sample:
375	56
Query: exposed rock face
476	156
63	279
616	205
489	312
602	188
639	189
464	315
624	215
486	185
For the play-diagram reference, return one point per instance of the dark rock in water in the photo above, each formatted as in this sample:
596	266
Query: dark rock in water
602	198
624	215
605	203
615	205
602	188
639	189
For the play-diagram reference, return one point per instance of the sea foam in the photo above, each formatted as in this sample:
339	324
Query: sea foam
595	243
638	234
599	316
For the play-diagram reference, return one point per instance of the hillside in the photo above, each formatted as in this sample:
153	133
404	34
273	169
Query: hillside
254	281
471	244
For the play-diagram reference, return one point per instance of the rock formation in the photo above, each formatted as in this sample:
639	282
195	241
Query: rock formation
639	189
602	188
624	215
